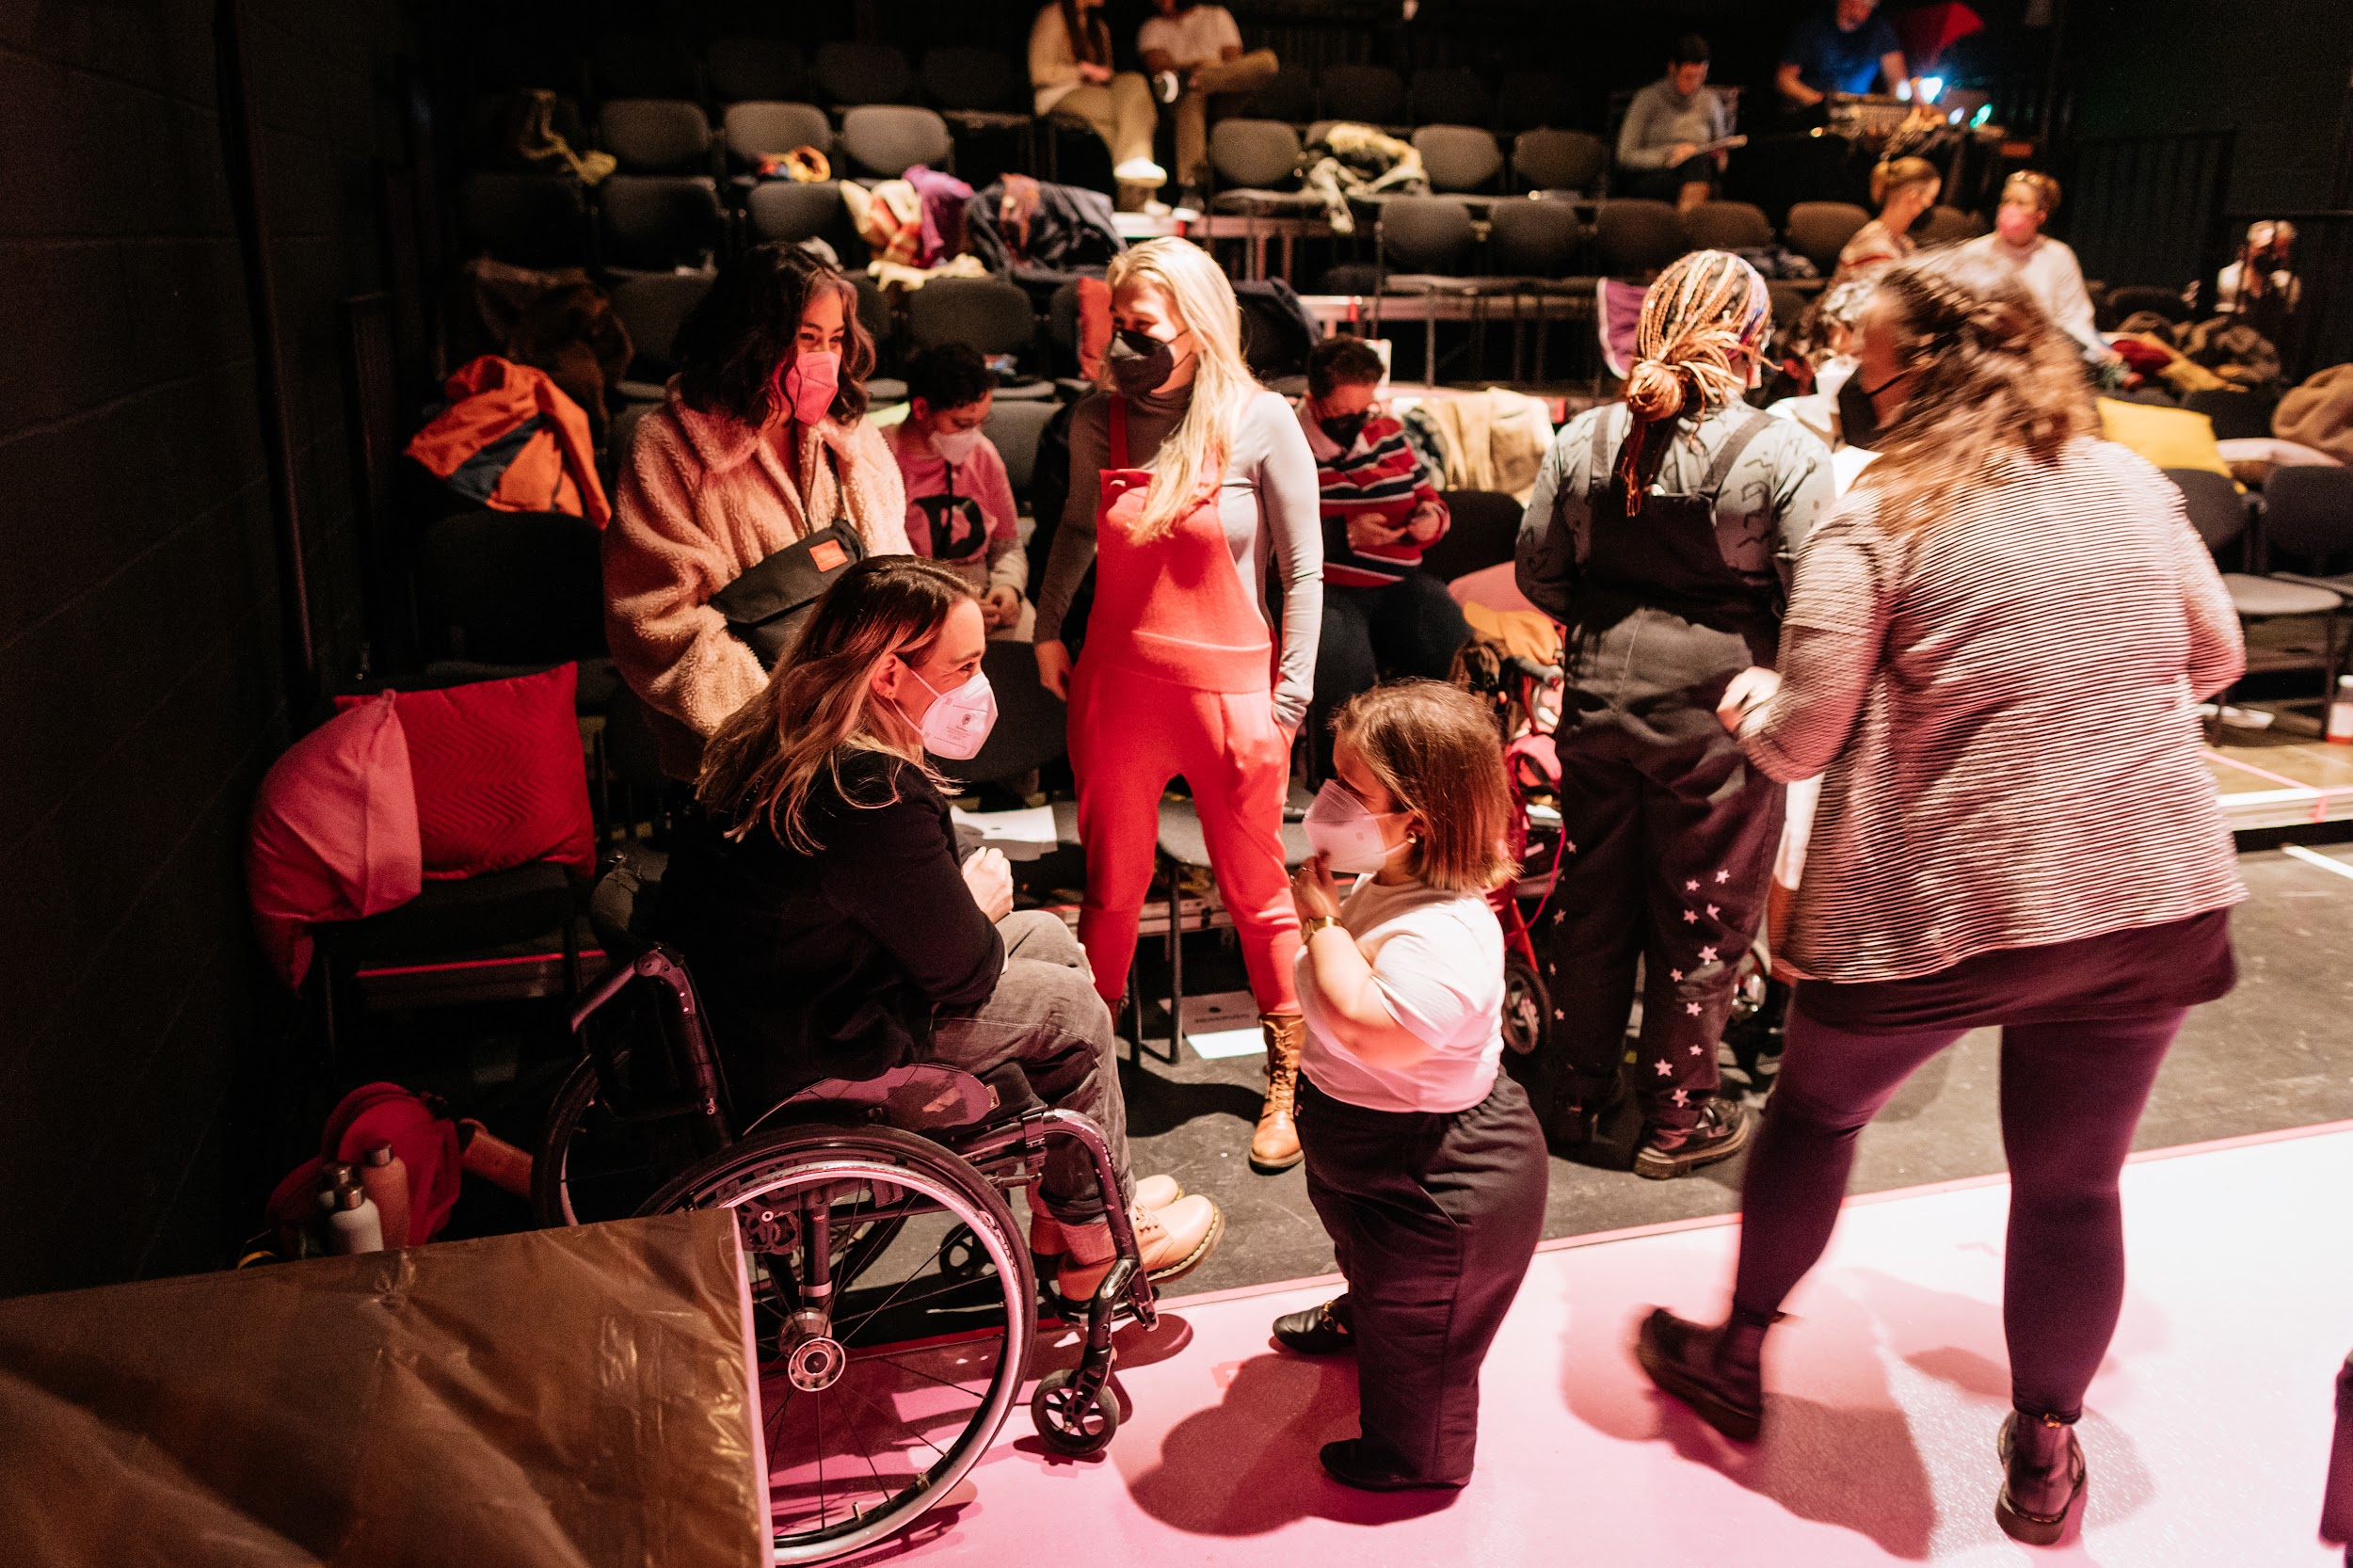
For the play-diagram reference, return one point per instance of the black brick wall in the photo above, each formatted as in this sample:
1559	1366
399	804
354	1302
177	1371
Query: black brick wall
141	687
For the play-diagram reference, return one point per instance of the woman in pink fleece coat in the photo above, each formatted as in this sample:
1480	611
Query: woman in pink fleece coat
763	439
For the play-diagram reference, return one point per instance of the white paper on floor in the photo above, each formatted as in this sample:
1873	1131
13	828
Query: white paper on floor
1222	1024
1023	834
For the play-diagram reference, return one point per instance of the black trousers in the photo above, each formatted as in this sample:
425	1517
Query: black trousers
1671	841
1435	1218
1410	628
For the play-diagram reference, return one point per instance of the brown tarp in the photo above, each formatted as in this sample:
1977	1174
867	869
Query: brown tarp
564	1396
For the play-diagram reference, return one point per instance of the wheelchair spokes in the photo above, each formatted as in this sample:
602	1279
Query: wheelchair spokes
894	1311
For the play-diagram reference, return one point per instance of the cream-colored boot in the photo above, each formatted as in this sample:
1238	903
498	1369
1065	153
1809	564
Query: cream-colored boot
1047	1238
1170	1241
1274	1145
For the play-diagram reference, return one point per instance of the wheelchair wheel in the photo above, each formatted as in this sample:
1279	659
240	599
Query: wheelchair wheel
1526	1006
894	1310
594	1163
1072	1423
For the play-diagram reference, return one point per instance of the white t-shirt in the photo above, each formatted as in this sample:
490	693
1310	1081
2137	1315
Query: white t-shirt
1198	36
2050	273
1438	958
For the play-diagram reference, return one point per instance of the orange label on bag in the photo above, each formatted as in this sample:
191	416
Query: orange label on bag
827	554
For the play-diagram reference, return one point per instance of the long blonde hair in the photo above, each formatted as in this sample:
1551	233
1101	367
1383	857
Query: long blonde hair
819	706
1221	383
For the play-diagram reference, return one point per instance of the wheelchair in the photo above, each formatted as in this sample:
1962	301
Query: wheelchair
894	1300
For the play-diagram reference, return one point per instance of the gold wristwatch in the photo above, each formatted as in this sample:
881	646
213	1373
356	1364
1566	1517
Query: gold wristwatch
1309	927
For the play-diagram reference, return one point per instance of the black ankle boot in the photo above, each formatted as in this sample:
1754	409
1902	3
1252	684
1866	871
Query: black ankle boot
1717	1371
2042	1491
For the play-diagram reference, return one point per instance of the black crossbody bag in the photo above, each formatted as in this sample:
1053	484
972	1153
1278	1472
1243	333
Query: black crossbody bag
767	606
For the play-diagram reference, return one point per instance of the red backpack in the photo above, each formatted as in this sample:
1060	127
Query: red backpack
421	1132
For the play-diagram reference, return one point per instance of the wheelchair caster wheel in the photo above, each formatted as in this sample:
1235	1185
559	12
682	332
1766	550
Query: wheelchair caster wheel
1071	1422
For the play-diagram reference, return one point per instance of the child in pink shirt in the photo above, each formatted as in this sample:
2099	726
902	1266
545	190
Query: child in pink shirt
960	506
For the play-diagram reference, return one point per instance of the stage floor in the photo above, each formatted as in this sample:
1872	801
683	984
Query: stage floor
2281	781
2207	1430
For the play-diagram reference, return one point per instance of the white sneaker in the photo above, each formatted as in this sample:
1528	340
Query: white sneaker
1139	171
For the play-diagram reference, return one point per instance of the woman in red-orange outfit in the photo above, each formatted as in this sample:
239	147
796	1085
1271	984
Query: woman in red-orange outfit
1188	479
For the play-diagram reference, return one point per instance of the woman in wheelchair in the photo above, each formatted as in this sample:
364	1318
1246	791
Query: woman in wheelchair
818	898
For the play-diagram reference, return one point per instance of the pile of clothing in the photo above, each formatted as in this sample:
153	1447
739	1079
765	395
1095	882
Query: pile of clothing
1356	161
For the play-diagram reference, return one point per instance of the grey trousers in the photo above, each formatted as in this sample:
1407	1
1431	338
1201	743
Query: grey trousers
1045	1015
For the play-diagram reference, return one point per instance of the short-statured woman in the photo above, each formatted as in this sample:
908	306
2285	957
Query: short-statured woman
1904	189
762	438
1424	1161
1994	655
1070	74
1188	481
817	895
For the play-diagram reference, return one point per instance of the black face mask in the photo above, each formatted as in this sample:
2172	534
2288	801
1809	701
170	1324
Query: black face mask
1858	415
1138	361
1345	428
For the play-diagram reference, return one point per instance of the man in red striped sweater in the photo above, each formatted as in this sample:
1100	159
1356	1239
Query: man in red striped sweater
1383	615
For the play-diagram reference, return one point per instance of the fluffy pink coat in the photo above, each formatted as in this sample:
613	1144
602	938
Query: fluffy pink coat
707	498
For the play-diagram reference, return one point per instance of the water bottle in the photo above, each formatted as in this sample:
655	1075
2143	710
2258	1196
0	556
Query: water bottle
353	1224
384	1177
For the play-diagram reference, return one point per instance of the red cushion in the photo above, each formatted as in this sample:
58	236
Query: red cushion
499	774
334	832
1095	325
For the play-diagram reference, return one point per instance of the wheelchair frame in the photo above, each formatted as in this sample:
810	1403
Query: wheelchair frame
963	1115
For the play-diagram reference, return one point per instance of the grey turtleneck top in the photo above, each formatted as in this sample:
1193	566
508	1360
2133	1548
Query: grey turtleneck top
1268	505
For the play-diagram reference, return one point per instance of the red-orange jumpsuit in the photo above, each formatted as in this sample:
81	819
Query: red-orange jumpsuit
1175	677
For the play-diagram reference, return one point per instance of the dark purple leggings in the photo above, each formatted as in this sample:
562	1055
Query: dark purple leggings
2071	1094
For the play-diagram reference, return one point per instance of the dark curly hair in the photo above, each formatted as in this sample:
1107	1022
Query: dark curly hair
1997	383
733	347
950	376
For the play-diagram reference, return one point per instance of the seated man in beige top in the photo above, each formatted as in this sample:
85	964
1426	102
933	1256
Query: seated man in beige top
1194	53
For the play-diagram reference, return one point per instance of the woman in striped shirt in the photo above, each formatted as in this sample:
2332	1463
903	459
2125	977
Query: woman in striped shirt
1992	653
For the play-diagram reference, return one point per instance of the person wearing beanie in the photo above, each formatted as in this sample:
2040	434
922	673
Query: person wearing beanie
1662	533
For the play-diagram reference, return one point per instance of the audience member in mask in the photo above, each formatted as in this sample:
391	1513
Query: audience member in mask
1662	533
763	439
1999	577
960	507
1424	1161
2045	266
1187	479
1826	339
816	895
1383	615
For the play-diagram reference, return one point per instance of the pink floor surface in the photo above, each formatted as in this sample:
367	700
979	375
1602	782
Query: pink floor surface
2207	1430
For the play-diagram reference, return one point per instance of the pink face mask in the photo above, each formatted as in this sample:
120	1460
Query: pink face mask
808	385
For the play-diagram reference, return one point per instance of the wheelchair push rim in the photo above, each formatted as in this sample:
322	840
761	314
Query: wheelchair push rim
882	1384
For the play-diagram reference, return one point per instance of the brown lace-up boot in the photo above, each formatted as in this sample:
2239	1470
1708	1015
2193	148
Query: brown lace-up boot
1274	1146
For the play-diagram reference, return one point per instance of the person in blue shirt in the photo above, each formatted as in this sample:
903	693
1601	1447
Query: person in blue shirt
1849	48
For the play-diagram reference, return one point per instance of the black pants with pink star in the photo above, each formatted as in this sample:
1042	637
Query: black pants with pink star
1673	847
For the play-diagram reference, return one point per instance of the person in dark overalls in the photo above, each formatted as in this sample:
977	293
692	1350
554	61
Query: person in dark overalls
1661	534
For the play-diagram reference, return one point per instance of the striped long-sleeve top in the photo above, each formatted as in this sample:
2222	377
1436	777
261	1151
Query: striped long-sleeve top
2002	704
1378	472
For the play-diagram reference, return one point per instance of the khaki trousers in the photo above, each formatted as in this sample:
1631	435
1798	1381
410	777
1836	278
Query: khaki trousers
1122	114
1226	78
